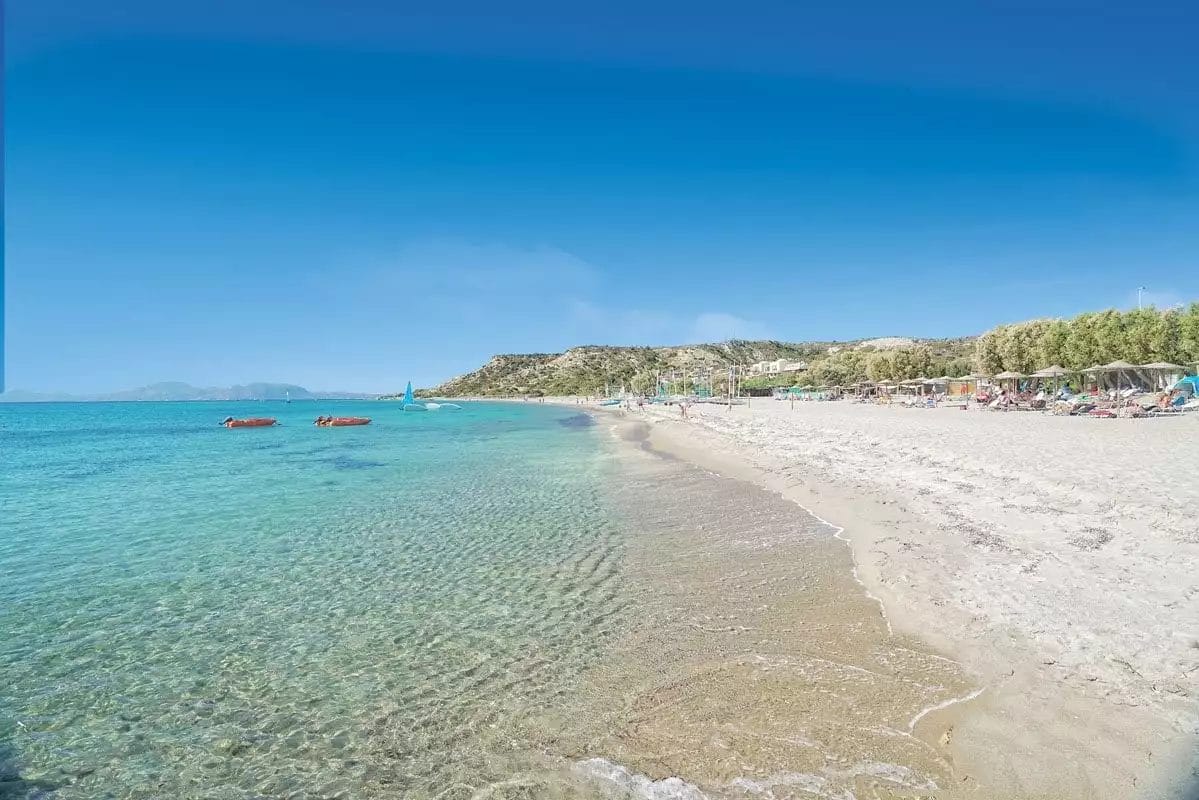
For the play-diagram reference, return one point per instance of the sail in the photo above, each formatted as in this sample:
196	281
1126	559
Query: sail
408	398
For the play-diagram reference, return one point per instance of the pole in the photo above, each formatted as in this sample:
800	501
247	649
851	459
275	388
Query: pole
1140	294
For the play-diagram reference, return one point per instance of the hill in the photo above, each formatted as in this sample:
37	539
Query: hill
588	369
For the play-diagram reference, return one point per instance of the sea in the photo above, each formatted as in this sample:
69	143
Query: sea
379	611
504	601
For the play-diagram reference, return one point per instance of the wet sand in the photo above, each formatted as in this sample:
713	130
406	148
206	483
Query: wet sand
757	665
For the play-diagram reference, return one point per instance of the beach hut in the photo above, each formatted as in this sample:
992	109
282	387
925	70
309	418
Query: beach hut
1124	372
937	385
1118	368
1164	373
1095	370
965	386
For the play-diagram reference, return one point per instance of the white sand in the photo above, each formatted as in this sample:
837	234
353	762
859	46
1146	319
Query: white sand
1056	558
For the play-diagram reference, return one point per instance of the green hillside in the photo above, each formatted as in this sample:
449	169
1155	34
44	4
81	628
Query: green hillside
586	370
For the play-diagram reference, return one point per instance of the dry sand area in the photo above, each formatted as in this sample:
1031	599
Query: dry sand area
1054	562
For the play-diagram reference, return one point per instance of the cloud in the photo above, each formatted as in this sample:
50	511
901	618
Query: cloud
716	326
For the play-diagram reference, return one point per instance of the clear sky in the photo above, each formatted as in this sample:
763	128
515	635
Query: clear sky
349	195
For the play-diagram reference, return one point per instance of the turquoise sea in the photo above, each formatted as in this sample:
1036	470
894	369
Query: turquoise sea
386	611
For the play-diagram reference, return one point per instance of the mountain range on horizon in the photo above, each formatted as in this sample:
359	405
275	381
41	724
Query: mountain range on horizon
180	391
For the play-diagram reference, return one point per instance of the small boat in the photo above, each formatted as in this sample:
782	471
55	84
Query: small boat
409	400
342	422
253	422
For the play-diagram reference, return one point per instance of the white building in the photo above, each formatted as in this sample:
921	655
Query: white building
776	367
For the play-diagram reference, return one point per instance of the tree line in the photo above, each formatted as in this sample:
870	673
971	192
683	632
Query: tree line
1140	336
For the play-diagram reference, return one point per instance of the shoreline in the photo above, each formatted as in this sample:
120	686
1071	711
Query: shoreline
662	442
755	664
1012	732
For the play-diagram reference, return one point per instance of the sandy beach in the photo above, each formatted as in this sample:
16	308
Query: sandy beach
1055	559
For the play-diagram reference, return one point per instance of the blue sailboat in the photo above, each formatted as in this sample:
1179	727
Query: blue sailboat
409	400
410	403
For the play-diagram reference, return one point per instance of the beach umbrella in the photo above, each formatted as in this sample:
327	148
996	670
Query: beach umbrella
1010	375
1052	372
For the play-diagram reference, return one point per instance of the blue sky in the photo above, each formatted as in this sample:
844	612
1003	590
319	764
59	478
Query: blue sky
350	195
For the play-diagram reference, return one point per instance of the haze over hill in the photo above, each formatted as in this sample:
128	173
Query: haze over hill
179	391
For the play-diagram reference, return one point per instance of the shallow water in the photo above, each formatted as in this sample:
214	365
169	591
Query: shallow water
355	612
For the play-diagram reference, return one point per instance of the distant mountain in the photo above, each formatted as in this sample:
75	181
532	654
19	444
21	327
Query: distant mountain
177	391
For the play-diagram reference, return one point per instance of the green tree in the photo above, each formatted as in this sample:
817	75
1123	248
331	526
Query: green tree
1015	348
1140	329
880	367
1188	332
1082	345
1110	336
1165	339
1051	347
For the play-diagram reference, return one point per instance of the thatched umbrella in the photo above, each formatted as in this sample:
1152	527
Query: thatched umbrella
1009	376
1055	372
